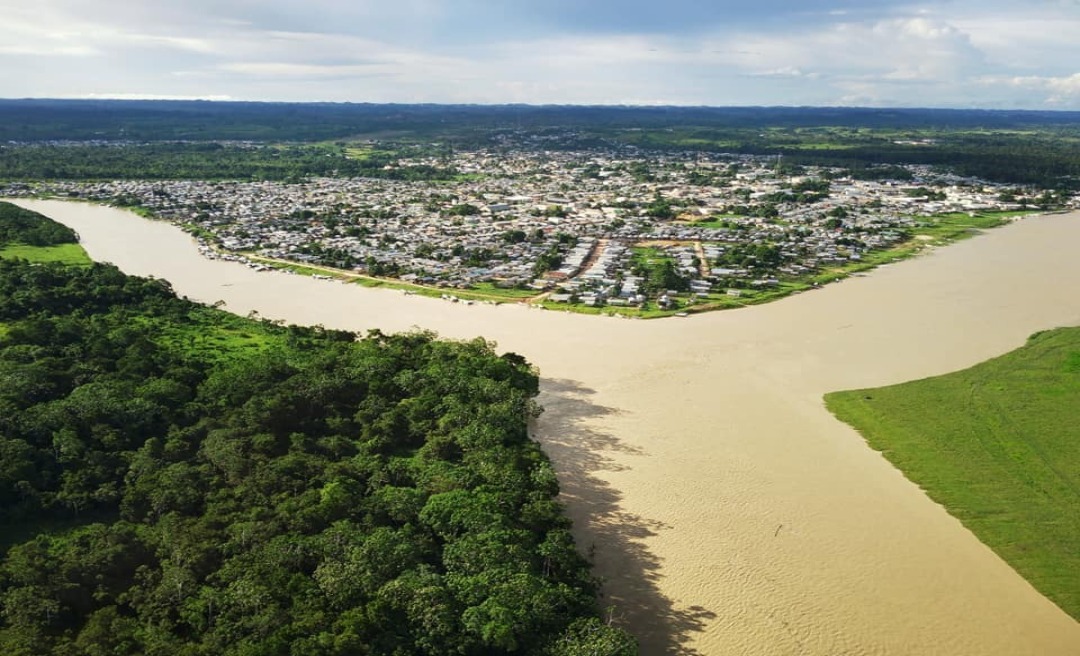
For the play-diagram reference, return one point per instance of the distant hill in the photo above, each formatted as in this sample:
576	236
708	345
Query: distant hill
156	120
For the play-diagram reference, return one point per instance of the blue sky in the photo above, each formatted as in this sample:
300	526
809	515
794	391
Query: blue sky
949	53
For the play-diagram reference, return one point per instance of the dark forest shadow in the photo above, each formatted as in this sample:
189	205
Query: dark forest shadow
609	536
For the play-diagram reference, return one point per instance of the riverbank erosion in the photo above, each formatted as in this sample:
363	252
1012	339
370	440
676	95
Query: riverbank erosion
728	511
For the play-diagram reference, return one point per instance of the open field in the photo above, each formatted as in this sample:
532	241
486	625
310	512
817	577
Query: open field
65	253
996	445
217	337
489	290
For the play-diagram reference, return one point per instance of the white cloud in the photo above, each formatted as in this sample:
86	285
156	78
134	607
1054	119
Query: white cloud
959	53
286	69
1063	90
43	29
148	96
899	49
44	50
1025	42
787	71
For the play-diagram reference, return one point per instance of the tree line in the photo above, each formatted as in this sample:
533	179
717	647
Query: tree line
20	226
204	140
45	119
200	161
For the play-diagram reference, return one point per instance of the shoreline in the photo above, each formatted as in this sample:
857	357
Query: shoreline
727	510
916	244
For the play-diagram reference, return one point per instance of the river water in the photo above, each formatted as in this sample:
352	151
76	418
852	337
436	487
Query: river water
727	511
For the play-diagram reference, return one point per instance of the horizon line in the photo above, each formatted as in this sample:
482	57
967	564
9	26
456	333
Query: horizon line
224	100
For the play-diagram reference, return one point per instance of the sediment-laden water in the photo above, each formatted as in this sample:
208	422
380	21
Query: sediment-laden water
728	512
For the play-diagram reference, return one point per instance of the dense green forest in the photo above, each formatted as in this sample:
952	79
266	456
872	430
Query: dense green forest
1046	159
1039	159
85	140
19	226
200	161
178	480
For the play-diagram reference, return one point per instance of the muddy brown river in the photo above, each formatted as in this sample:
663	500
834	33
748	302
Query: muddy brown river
727	511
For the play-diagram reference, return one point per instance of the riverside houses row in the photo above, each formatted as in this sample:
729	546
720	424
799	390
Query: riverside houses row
580	224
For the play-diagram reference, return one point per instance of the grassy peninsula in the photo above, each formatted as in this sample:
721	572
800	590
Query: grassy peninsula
997	446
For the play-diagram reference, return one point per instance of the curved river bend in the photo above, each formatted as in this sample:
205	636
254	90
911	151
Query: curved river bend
728	512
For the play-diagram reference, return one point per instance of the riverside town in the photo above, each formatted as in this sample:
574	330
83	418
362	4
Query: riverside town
622	232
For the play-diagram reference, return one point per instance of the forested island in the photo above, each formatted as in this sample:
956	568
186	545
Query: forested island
178	480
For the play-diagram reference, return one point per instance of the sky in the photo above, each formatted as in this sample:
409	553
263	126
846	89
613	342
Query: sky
998	54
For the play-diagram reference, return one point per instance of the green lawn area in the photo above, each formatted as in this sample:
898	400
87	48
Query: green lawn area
649	255
998	446
299	269
715	222
217	337
478	292
508	293
363	153
65	253
958	225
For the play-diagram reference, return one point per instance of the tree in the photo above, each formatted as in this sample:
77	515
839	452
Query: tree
663	275
660	208
464	209
514	236
590	637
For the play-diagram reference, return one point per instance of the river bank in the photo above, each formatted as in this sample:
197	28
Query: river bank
727	510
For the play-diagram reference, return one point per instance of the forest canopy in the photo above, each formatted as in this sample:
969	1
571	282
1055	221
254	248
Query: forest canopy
178	480
21	226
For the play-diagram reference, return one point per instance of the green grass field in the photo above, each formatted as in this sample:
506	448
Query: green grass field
216	337
65	253
999	446
716	222
958	225
489	290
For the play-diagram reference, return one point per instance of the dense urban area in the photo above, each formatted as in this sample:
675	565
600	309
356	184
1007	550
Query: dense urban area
622	231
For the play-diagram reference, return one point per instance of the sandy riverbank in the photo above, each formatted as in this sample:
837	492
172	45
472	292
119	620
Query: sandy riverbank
729	512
